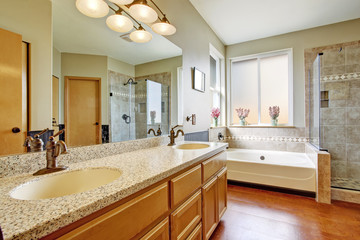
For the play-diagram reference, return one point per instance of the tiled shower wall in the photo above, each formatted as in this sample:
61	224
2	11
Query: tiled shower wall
340	117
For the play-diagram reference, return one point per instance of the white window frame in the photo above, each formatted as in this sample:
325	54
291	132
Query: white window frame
220	71
258	56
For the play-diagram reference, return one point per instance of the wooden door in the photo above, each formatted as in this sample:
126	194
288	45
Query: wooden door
82	111
13	92
222	192
210	207
55	104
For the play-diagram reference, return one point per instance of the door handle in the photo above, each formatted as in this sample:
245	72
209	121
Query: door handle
15	130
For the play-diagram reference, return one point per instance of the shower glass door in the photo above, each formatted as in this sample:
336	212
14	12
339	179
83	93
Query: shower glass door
314	103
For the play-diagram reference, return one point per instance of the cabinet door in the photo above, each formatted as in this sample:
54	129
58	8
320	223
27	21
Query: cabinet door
186	217
210	207
222	192
159	232
126	221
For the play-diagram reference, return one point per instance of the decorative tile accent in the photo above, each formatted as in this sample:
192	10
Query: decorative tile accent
340	77
268	139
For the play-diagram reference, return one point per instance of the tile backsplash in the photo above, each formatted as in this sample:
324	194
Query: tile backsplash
290	139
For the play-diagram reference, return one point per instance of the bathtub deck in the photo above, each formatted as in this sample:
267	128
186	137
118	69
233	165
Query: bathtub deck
264	215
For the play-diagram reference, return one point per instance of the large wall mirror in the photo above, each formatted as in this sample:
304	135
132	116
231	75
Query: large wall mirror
104	87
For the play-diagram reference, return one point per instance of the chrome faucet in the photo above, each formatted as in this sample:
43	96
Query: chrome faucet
35	144
158	132
53	150
172	135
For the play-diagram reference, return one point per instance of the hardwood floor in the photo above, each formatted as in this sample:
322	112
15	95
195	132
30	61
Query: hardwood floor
254	214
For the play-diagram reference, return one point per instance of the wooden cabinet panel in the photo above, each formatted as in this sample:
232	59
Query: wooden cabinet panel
159	232
128	220
222	192
213	165
185	218
210	207
196	234
182	186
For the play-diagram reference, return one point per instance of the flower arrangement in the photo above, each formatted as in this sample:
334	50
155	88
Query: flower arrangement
242	114
215	113
274	114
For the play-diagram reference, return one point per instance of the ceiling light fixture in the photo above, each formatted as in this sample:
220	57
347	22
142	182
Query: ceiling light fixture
92	8
140	35
142	12
139	10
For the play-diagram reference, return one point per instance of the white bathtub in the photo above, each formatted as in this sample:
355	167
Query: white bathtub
280	169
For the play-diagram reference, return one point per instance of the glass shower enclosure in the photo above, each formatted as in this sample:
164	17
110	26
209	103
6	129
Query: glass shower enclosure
334	111
137	106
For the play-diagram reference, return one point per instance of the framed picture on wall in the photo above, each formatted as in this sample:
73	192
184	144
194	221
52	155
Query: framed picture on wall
198	80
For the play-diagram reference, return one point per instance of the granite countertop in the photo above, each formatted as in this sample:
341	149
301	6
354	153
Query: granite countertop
32	219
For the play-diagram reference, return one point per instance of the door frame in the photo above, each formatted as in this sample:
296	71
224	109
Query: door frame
66	109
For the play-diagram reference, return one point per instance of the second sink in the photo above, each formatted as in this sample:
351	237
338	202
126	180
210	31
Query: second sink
66	183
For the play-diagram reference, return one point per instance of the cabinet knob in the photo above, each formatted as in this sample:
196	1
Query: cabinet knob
15	130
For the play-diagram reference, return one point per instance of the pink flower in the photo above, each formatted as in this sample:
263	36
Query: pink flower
242	113
274	112
215	112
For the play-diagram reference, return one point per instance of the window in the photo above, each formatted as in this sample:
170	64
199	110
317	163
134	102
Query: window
217	81
260	81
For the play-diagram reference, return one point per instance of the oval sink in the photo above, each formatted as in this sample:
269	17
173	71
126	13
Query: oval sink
65	184
192	146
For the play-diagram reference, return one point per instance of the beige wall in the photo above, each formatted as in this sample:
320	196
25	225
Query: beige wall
165	65
82	65
121	67
56	67
193	35
320	36
32	19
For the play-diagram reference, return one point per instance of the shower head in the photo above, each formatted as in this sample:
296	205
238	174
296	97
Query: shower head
130	81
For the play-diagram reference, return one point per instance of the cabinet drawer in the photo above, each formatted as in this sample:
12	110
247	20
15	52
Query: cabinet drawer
196	234
127	220
182	186
185	218
213	165
159	232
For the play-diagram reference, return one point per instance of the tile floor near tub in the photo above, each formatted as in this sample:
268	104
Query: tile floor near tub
254	214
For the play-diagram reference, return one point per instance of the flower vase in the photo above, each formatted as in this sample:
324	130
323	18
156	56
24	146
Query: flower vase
242	122
152	121
215	122
274	122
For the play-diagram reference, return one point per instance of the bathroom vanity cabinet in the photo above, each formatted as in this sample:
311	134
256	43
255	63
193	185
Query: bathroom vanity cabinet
187	205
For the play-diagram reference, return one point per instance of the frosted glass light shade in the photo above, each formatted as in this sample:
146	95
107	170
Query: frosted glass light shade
143	13
140	36
121	2
119	23
163	28
92	8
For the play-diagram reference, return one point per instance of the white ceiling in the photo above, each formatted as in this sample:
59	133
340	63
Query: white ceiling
236	21
74	32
